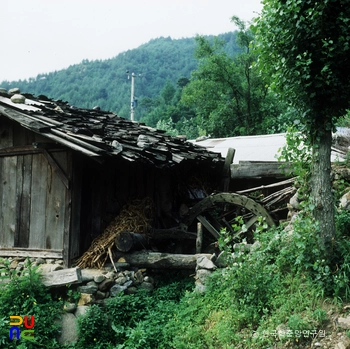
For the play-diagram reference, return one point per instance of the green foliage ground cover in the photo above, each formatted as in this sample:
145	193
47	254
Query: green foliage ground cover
26	295
282	283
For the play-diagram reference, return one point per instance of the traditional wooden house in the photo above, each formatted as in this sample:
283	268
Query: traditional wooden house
66	172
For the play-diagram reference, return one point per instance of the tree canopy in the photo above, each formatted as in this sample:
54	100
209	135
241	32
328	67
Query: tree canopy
304	46
227	92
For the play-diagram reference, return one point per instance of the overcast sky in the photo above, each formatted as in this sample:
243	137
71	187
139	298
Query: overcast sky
40	36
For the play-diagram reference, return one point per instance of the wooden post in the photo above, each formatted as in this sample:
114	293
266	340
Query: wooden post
199	240
226	175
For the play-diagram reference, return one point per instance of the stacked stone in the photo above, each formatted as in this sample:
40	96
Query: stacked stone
99	284
204	268
18	264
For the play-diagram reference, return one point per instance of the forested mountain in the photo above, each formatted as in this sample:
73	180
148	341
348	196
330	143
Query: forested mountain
105	82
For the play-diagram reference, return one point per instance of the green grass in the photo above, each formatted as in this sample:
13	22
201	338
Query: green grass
282	285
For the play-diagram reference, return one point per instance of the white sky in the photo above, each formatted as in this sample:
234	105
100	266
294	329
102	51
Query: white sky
39	36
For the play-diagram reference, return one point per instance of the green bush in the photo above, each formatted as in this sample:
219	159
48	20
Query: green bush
271	294
26	295
131	321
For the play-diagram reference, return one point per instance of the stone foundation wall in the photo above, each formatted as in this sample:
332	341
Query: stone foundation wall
95	285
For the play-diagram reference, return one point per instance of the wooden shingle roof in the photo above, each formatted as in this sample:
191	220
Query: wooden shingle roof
101	134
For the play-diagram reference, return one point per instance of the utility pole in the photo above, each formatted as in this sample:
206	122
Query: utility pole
132	101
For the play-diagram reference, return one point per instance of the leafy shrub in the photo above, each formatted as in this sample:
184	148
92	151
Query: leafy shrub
26	295
131	321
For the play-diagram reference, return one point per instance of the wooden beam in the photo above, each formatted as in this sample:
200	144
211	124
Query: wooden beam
79	142
76	147
208	226
61	277
63	176
25	120
156	260
278	184
67	234
226	169
19	150
249	169
30	252
171	233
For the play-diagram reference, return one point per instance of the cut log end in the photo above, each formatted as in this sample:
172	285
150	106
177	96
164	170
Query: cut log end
124	241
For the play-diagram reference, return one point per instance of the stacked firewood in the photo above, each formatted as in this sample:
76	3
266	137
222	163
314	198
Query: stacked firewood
136	216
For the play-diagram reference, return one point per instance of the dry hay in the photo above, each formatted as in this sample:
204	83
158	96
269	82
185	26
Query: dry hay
136	216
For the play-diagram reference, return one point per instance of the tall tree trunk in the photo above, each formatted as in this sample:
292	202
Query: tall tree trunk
321	190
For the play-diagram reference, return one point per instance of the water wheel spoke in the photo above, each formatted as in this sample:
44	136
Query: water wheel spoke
221	210
208	226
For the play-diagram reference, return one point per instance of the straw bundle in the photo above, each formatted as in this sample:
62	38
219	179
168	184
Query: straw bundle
136	216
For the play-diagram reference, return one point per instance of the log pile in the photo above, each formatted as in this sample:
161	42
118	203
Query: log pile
136	217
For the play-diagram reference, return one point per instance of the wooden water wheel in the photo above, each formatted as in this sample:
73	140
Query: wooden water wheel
218	211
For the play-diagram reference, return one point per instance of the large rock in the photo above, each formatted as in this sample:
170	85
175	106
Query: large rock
147	286
99	278
81	310
202	275
121	280
117	289
101	295
344	322
69	307
106	284
345	201
294	201
90	289
343	344
86	299
203	262
69	329
221	261
17	98
138	277
14	91
90	274
200	288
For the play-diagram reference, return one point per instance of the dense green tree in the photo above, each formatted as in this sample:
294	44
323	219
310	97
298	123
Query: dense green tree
168	92
227	92
167	112
304	46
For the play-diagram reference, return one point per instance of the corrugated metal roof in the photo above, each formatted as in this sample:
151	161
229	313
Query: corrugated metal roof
258	148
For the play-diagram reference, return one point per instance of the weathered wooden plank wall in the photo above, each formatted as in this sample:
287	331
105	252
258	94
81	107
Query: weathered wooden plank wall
34	200
56	203
8	187
8	205
23	216
38	202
